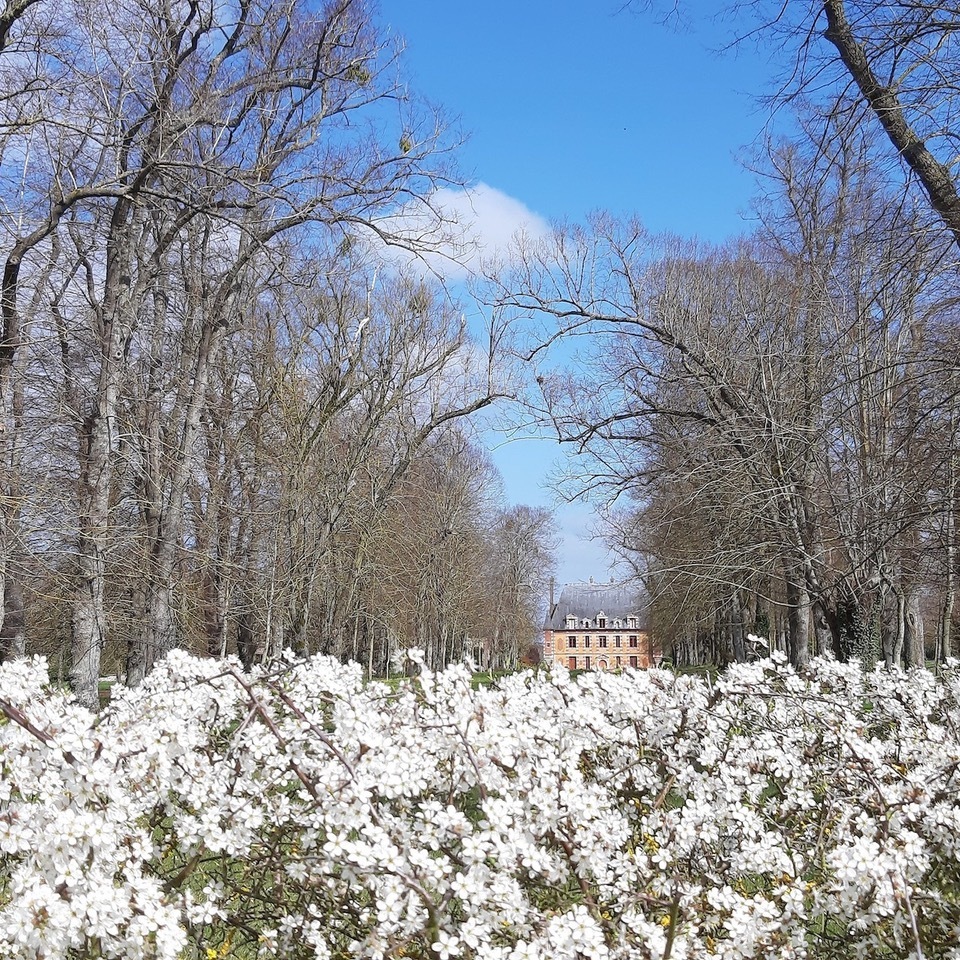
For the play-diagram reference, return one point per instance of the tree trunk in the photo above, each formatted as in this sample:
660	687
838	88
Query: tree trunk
246	640
159	624
898	629
913	629
215	609
13	631
945	627
735	621
89	620
885	103
798	620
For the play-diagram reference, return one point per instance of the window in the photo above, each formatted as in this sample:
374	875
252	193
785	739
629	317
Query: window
616	641
633	662
571	663
572	643
586	624
602	623
586	663
618	663
603	643
632	623
571	622
617	624
633	640
586	640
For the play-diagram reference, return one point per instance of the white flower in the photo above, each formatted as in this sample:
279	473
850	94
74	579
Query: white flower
477	806
446	945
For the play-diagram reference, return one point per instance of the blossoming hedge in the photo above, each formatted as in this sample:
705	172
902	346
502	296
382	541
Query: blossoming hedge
301	813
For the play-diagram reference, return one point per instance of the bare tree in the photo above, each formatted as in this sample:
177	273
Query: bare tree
162	153
522	559
766	399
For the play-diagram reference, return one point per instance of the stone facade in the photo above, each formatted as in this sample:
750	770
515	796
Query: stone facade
597	626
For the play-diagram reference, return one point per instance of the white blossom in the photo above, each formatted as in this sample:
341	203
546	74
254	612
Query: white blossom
612	817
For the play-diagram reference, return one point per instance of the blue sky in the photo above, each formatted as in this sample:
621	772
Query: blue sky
573	106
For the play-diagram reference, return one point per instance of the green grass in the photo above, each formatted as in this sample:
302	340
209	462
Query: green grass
488	678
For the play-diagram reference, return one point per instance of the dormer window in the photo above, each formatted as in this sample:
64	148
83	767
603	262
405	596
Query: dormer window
586	624
617	624
571	622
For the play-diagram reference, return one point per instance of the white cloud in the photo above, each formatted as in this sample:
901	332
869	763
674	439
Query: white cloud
462	228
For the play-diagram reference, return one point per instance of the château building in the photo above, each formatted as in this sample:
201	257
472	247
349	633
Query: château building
597	626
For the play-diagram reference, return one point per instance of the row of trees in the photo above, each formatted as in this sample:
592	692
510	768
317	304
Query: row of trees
775	419
221	424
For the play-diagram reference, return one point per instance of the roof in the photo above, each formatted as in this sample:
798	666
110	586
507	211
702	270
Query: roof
616	601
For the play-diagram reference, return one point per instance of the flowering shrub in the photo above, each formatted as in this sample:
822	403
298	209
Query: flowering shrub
302	813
